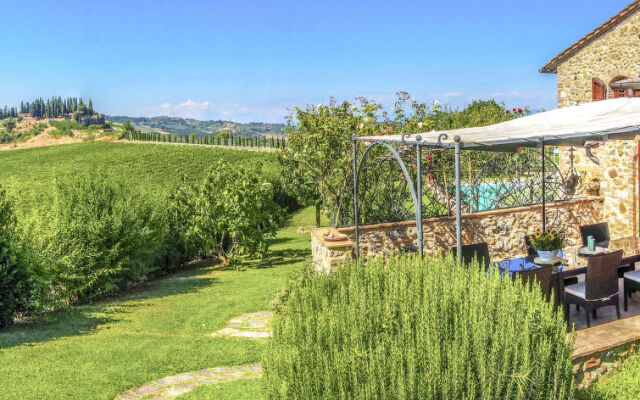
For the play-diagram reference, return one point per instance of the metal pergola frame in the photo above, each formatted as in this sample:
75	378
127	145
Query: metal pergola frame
577	139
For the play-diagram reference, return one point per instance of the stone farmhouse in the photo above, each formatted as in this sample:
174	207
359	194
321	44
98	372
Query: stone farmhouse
605	64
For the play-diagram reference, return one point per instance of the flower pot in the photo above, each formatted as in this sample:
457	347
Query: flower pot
548	255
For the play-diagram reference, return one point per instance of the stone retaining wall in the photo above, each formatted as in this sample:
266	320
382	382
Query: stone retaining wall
588	370
503	230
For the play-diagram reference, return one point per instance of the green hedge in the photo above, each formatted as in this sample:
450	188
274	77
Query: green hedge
16	281
97	238
416	329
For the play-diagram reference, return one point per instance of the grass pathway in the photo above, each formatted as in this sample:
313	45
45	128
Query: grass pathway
164	329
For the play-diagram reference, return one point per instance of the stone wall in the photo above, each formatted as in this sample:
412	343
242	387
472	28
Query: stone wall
588	370
614	54
615	179
503	230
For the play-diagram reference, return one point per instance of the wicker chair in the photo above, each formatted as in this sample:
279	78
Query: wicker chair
541	276
600	287
600	233
531	252
474	252
631	284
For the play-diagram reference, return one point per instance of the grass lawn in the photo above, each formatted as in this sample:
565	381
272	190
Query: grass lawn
244	389
97	351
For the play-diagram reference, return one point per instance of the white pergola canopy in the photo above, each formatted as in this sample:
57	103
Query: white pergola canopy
609	119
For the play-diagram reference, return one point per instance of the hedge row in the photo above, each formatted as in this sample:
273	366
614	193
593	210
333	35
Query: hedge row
99	236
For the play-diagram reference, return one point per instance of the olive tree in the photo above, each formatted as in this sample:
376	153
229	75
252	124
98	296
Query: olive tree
319	146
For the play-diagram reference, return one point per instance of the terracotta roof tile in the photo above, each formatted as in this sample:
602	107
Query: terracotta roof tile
552	66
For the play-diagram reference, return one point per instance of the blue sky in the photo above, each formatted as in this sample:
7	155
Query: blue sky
252	60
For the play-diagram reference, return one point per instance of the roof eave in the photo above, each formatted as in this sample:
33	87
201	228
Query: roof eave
547	69
552	66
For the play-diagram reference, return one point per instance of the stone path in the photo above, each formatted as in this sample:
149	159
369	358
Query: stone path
254	325
171	387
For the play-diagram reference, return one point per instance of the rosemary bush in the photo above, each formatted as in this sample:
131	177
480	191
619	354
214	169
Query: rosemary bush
416	329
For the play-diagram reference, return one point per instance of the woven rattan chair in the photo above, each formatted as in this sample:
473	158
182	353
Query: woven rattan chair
470	252
600	233
631	284
600	287
540	276
531	252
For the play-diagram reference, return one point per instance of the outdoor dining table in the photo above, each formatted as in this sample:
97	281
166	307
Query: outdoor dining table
573	263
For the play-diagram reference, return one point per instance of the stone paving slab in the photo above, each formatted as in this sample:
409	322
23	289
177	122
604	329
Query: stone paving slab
255	325
173	386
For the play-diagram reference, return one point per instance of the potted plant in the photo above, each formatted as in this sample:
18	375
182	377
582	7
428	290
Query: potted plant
548	243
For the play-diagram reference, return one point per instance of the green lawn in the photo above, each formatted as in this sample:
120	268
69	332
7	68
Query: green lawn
244	389
98	351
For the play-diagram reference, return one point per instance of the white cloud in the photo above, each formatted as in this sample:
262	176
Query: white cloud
276	112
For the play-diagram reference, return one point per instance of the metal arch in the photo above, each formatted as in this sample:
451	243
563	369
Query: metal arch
358	167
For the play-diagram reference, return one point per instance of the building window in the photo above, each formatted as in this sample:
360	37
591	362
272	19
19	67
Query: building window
598	90
619	92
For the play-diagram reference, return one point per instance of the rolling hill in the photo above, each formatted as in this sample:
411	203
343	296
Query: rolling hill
182	126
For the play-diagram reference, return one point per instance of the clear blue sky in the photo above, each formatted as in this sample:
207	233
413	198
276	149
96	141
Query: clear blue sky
251	60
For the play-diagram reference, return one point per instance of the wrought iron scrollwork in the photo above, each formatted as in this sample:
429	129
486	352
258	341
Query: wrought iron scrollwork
489	181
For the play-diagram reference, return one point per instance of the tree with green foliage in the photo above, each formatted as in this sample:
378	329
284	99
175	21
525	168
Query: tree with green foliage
231	213
319	145
9	125
128	130
319	142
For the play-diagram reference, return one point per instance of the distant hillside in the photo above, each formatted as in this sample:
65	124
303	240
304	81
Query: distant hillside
181	126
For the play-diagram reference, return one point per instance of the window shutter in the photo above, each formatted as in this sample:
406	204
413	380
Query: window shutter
598	90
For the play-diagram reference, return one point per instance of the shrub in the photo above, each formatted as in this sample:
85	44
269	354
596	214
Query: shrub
231	213
16	282
100	238
416	329
63	127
